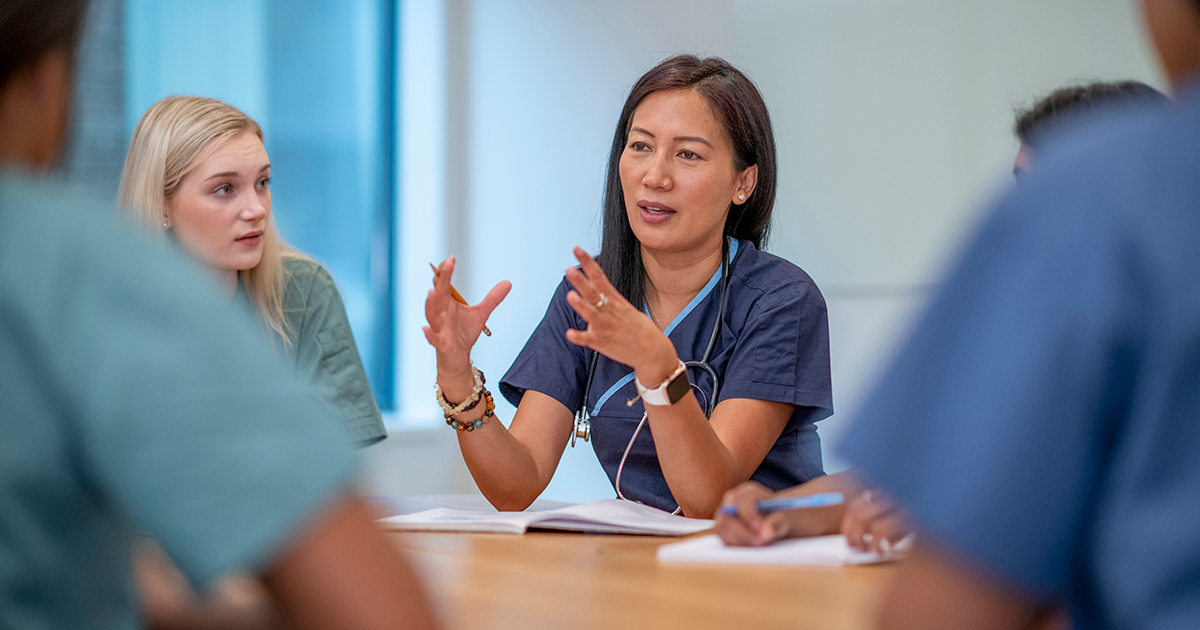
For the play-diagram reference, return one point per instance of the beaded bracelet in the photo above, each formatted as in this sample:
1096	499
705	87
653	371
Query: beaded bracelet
488	413
478	393
469	403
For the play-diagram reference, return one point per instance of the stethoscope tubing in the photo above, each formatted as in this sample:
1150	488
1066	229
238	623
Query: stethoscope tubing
583	417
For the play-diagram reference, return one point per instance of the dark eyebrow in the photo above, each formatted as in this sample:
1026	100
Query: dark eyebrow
693	139
233	174
677	138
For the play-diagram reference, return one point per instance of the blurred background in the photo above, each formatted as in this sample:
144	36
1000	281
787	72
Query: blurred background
403	131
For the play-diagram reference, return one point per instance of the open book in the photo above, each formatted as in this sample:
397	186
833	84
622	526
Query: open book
815	551
608	516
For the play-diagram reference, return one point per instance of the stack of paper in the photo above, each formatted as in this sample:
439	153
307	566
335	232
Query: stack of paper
815	551
608	516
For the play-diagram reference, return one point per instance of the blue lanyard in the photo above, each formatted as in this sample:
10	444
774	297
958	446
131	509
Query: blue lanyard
722	271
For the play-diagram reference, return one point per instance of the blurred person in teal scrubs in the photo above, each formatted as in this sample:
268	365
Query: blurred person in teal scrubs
132	398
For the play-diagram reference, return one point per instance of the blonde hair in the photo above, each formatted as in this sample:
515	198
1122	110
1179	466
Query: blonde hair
172	138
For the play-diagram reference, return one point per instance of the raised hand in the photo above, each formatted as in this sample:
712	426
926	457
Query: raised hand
614	327
454	327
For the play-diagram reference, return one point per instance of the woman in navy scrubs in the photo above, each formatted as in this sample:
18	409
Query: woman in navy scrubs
691	183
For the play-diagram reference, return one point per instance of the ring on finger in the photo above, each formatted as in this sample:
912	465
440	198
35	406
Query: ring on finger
602	301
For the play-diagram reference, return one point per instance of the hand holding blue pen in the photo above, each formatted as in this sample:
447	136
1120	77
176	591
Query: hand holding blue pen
791	503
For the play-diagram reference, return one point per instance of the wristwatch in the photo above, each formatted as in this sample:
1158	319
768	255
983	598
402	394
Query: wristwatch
669	391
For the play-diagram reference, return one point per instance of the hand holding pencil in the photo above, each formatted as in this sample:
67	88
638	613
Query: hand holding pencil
754	515
457	296
454	325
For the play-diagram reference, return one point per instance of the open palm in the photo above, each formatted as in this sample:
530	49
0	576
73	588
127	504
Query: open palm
454	327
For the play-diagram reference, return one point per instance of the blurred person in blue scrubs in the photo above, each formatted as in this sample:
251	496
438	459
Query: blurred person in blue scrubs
1041	423
690	189
869	517
1057	111
131	399
197	172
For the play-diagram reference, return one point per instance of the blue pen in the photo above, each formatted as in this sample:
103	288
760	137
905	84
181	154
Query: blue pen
791	503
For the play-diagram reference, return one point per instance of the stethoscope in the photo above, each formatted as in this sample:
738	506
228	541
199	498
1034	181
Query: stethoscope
583	419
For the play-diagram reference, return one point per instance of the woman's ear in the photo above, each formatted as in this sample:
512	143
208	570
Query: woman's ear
168	210
746	182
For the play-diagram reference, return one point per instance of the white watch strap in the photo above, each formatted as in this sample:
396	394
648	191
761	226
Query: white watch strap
658	395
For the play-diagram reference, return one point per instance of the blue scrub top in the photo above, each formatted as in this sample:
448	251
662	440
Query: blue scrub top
773	345
1043	423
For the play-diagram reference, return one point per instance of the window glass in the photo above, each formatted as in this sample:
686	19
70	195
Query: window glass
318	76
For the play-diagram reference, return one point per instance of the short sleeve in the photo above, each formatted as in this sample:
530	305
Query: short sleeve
993	421
782	353
549	363
326	355
184	418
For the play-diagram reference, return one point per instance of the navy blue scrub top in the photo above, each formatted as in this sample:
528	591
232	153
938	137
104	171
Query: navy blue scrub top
773	345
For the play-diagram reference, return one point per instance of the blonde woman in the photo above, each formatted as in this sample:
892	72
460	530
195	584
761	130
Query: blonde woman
197	172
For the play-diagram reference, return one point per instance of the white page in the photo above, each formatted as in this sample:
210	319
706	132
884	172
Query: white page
815	551
447	520
617	516
612	516
394	506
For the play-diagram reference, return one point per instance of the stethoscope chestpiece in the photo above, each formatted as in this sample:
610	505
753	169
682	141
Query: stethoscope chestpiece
583	429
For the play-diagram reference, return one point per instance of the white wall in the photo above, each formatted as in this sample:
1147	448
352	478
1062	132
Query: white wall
894	117
893	120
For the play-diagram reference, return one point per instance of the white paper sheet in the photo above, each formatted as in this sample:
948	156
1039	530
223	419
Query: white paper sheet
815	551
394	506
611	516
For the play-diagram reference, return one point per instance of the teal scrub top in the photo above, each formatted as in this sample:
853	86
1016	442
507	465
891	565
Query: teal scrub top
134	398
324	351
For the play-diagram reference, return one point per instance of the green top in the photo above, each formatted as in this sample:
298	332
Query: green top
324	351
132	397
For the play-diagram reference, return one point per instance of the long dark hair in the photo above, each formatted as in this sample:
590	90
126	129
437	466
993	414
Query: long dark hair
740	110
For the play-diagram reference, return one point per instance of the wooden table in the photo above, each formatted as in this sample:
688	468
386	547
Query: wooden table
564	580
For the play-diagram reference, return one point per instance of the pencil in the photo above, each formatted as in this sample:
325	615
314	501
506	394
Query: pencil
792	503
457	296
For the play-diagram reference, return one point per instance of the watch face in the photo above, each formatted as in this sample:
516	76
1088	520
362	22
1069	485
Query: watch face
678	387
